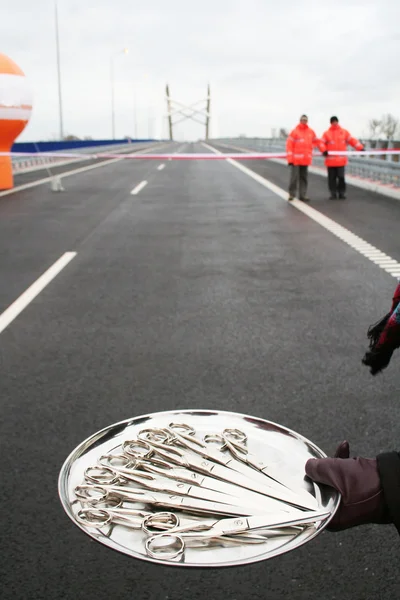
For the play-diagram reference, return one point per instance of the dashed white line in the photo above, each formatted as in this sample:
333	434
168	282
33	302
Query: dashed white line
34	290
384	261
139	187
161	167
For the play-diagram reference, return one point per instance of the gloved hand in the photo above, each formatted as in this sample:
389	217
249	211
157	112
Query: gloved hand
384	337
325	153
290	164
358	481
377	359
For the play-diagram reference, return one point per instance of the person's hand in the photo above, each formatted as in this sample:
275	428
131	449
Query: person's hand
384	338
377	359
325	153
358	482
290	164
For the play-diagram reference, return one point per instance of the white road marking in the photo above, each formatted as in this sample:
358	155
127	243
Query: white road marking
34	290
365	184
161	167
139	187
385	262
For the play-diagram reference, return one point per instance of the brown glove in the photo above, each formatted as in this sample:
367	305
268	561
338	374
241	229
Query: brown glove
358	481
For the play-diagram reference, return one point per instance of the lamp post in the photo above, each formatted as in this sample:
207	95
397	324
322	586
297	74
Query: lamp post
124	51
135	112
58	73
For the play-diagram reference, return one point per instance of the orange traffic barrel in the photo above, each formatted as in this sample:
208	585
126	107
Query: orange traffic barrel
15	111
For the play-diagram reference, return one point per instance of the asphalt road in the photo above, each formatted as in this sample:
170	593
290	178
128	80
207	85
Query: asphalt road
205	290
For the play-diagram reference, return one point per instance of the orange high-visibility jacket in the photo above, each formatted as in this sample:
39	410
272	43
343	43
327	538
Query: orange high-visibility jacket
337	138
299	145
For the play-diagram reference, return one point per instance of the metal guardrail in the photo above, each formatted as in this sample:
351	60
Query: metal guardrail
25	164
384	171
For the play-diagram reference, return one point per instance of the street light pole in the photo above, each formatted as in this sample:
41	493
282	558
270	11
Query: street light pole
124	51
135	111
59	73
112	98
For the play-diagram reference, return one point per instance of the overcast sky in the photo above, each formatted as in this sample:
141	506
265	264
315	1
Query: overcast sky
266	61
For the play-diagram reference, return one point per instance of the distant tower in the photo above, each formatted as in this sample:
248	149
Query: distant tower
15	111
177	108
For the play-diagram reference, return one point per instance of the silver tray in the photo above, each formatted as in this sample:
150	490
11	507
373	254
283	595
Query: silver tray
265	439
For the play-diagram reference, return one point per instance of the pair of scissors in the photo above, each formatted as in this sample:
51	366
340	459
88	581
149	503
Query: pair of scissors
243	496
234	440
101	517
215	464
175	538
94	494
149	523
115	476
183	435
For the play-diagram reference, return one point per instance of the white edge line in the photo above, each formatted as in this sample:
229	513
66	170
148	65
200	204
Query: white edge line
371	186
34	290
386	262
139	187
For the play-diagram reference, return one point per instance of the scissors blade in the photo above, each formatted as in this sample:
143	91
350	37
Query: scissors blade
268	521
175	501
267	469
292	521
172	485
204	482
268	487
231	476
198	505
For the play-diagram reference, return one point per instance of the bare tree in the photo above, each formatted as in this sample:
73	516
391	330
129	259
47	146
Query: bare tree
283	133
389	126
374	126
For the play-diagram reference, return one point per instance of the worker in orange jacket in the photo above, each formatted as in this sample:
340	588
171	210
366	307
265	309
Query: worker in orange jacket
337	138
299	149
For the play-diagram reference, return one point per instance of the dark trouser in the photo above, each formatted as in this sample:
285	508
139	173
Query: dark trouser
298	177
336	181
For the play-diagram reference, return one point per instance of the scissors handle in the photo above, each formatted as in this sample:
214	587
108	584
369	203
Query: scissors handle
236	436
117	460
233	440
162	546
100	517
138	449
162	436
102	475
182	428
94	517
